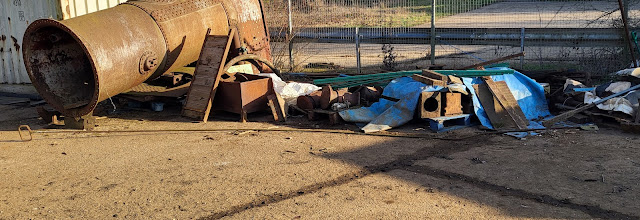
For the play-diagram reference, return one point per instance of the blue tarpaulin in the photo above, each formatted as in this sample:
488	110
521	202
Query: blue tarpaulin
387	114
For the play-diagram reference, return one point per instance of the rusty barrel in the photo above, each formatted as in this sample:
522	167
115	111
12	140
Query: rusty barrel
76	63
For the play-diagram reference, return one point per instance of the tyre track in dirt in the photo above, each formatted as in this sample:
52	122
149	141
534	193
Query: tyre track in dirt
406	163
593	211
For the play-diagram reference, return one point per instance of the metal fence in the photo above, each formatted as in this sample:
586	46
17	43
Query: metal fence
396	34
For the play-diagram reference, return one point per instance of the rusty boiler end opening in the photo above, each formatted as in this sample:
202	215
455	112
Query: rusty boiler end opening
60	67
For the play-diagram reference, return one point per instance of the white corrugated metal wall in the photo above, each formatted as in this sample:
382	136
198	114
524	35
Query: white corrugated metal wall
16	15
75	8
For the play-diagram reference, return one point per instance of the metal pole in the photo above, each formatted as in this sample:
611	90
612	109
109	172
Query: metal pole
627	33
626	9
358	50
290	37
522	48
433	32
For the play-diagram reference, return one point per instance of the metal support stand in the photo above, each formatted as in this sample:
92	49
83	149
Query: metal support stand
358	50
433	32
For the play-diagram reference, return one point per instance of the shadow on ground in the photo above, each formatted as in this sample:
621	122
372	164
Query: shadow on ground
548	177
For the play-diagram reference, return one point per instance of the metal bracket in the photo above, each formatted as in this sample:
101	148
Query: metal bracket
20	131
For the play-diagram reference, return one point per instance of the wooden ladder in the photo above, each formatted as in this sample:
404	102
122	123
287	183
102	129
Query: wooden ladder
207	75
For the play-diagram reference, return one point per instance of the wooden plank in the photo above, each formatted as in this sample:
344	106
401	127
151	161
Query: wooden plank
499	118
434	75
493	61
428	81
207	75
277	107
455	80
502	93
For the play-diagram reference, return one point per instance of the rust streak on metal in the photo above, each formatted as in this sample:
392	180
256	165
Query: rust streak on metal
15	43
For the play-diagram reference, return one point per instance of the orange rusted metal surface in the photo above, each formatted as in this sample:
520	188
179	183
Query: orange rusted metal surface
76	63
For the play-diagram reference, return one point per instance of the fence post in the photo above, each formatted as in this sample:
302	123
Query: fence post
358	50
522	48
433	32
290	37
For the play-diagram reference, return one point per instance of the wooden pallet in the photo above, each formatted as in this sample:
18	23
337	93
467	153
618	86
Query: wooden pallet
448	123
505	98
207	75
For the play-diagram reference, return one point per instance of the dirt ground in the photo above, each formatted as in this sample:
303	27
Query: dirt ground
233	174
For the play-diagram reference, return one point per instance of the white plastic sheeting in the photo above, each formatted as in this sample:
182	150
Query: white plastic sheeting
290	91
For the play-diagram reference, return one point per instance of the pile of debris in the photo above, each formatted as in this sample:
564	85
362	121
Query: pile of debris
446	99
233	73
616	100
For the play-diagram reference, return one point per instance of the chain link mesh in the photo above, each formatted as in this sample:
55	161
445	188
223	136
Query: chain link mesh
561	34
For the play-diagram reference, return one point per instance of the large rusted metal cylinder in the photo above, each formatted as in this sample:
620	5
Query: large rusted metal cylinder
76	63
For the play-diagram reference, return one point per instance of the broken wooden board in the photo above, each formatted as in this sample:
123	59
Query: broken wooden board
277	105
499	118
434	75
455	80
503	95
207	76
428	81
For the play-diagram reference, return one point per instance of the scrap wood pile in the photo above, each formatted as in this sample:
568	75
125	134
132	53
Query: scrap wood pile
615	100
445	99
